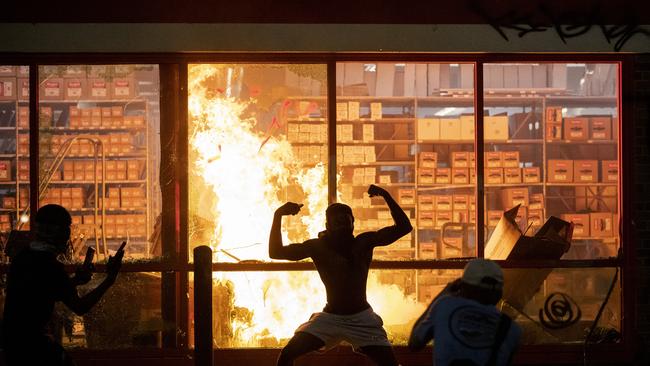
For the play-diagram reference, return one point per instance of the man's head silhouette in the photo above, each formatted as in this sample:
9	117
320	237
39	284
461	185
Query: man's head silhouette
339	219
53	225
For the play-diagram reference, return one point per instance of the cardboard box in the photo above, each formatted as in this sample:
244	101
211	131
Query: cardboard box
494	175
52	89
600	128
580	224
8	88
508	242
9	202
536	201
585	171
459	159
376	111
444	202
576	128
406	196
428	159
510	159
426	219
511	197
460	202
553	131
495	128
493	159
427	250
459	175
22	85
443	217
428	129
531	175
602	224
460	216
122	88
512	175
493	217
553	114
443	175
450	129
609	169
426	176
5	170
467	127
99	89
426	202
75	89
560	171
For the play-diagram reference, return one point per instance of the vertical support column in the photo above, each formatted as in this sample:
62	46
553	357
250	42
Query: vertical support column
33	142
169	235
203	353
331	131
478	153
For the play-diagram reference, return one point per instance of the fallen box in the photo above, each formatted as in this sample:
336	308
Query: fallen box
508	242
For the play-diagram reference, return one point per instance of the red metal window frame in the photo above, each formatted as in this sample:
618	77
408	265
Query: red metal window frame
173	69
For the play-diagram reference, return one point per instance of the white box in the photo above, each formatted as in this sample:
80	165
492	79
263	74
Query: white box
467	128
368	132
341	111
450	129
353	110
428	129
375	111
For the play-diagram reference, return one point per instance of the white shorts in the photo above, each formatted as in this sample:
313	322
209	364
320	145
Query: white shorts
361	329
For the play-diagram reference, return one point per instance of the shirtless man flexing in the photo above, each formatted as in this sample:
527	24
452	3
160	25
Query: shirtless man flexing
342	261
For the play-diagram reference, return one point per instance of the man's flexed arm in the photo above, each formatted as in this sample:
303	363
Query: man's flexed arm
402	222
277	250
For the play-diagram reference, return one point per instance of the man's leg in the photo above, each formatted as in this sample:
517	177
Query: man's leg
381	355
300	344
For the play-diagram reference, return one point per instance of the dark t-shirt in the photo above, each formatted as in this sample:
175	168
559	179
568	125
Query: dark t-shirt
36	280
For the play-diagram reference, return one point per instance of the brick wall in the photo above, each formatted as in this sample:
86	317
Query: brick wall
641	200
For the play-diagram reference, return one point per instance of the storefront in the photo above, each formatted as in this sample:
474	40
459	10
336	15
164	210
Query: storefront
177	149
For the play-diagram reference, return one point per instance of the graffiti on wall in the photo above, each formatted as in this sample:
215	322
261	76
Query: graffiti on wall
560	311
565	25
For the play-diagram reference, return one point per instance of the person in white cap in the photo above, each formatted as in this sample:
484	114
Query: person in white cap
464	322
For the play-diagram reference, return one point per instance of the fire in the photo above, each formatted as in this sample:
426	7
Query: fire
244	168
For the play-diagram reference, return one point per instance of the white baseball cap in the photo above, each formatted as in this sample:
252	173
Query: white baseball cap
478	270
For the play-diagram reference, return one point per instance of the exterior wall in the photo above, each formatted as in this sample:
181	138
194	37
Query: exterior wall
641	206
20	37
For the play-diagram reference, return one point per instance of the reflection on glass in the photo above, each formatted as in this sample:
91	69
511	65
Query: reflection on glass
561	305
551	146
258	138
99	154
14	150
410	128
128	315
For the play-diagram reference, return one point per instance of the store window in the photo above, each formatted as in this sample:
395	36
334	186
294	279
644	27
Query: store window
99	149
14	149
257	138
551	151
99	157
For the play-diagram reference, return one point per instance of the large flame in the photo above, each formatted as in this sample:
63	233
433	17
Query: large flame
246	168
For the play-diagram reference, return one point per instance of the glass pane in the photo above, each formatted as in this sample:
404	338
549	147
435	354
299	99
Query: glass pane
410	128
102	116
258	138
14	150
561	305
263	309
551	146
128	315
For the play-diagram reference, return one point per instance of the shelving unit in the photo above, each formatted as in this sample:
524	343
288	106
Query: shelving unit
396	146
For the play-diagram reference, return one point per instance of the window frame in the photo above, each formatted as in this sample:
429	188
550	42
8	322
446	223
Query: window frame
175	264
